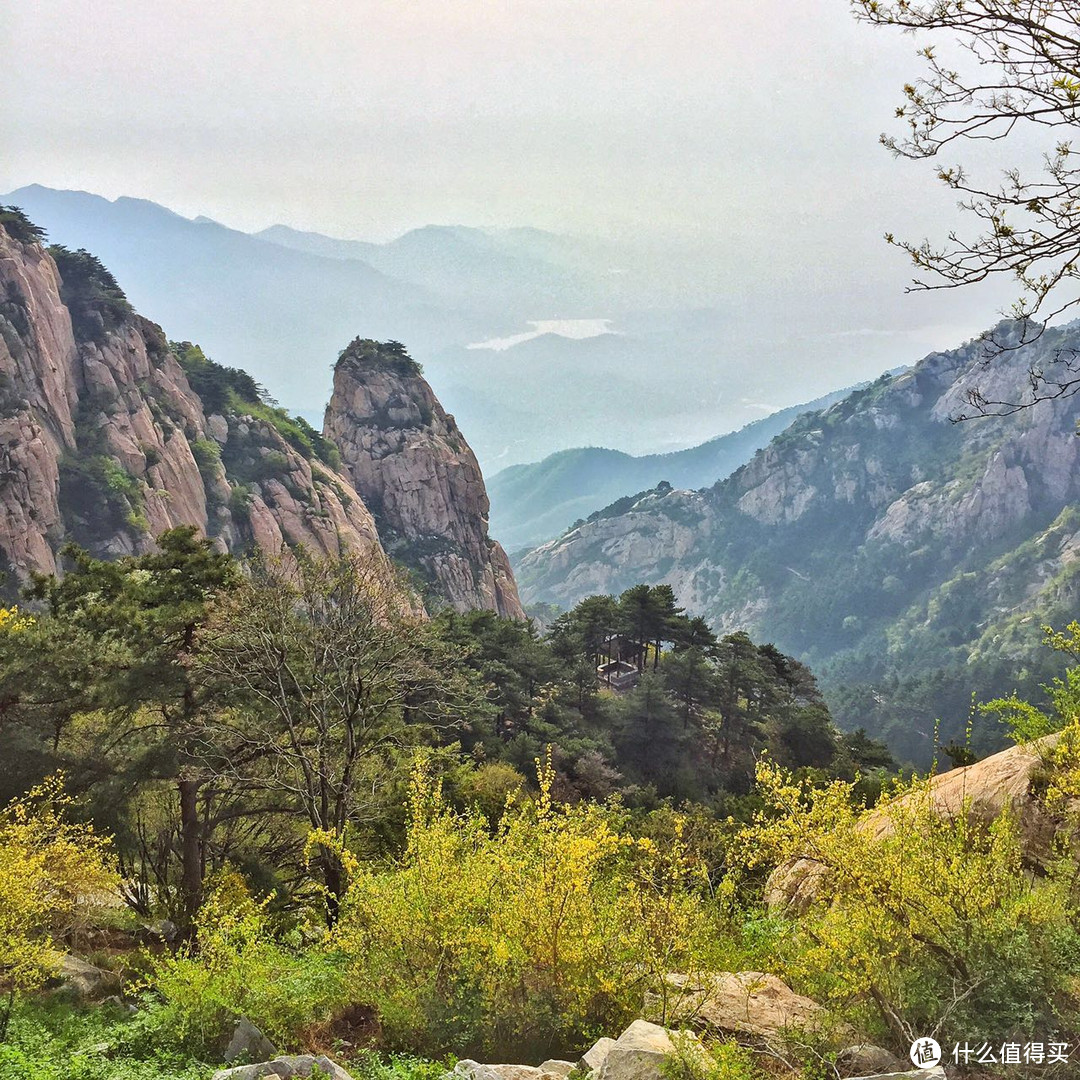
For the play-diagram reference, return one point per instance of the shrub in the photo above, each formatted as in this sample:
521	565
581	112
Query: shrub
537	935
239	966
207	455
51	872
19	226
213	382
91	294
385	355
925	924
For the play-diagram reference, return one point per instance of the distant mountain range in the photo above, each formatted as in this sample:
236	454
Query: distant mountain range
532	503
684	360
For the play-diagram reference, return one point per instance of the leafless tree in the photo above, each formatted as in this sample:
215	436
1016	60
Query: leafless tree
332	676
1012	65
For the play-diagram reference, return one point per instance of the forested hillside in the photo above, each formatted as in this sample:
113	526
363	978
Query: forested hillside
909	559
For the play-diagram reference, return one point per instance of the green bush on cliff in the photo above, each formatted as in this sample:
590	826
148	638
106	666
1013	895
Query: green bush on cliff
225	390
19	226
388	355
91	294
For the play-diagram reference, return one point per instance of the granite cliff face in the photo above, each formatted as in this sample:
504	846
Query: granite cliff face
110	435
104	441
406	457
875	536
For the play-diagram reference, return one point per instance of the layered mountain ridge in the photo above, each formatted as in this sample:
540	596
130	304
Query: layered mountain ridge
110	434
876	539
538	501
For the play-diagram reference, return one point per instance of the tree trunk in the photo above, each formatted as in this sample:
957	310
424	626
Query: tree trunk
190	855
334	881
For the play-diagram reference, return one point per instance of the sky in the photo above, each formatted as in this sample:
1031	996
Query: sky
715	120
743	136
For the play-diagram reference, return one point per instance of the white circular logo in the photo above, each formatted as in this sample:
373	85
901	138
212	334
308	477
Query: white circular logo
925	1053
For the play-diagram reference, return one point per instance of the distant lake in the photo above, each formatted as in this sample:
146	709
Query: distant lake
577	329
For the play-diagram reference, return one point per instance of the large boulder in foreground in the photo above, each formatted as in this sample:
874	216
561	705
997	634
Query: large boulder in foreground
286	1067
749	1003
983	789
640	1052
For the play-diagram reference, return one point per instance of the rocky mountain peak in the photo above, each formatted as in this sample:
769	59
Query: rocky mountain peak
110	435
412	466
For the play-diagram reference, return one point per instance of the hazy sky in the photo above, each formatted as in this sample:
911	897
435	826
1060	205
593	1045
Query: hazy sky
715	118
745	130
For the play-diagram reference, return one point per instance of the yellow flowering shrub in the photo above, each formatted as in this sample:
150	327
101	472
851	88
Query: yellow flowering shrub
53	873
530	937
12	621
239	964
923	924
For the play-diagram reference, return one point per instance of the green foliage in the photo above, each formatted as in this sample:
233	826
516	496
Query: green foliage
101	497
721	1061
623	505
1026	722
122	706
52	1040
214	383
923	923
19	226
363	353
224	390
547	931
368	1065
207	455
91	294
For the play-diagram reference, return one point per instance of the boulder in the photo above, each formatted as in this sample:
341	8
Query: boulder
83	980
736	1003
596	1055
866	1060
248	1043
642	1049
468	1069
557	1068
285	1068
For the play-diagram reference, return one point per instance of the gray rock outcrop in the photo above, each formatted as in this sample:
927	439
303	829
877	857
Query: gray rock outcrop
866	1060
79	979
286	1067
641	1051
248	1043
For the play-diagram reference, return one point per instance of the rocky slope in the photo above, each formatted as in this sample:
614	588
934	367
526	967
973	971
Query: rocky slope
876	539
414	469
109	435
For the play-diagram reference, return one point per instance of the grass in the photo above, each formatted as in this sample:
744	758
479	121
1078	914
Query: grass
52	1039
